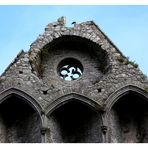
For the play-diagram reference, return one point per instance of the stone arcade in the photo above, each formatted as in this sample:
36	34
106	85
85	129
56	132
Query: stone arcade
73	85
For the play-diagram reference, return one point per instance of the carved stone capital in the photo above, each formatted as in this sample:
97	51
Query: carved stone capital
44	130
104	129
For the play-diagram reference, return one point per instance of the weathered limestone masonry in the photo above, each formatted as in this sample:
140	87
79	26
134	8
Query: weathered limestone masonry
73	85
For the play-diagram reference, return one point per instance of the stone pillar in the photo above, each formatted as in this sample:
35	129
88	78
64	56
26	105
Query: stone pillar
44	127
104	127
104	133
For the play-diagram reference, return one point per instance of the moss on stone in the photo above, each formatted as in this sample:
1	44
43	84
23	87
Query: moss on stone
146	88
127	61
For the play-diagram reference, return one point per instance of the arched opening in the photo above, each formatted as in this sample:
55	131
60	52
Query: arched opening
19	122
129	119
75	122
75	54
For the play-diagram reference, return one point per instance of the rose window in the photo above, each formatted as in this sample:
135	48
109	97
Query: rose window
70	69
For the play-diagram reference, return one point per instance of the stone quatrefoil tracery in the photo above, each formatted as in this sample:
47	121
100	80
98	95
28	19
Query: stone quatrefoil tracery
70	69
70	72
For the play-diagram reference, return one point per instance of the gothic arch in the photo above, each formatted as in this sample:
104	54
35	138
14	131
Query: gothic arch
20	93
73	96
126	115
20	117
113	98
74	118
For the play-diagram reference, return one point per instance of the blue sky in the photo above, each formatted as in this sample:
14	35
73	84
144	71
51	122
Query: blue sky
126	26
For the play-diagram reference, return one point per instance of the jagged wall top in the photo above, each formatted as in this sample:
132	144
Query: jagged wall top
88	30
20	74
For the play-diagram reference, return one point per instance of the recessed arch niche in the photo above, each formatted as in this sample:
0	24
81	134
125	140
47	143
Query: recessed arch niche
79	45
94	59
75	121
20	122
128	118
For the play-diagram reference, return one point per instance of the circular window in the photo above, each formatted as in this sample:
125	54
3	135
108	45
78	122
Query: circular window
70	69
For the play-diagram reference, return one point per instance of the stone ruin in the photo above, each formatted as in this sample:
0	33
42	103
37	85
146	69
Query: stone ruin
73	86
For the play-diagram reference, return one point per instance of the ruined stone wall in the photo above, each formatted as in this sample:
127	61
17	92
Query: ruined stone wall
121	73
105	72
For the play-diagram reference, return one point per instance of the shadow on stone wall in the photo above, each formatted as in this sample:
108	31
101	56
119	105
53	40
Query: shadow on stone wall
75	122
129	119
19	122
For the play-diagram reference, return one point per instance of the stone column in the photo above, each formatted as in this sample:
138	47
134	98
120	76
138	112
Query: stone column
44	127
104	127
104	133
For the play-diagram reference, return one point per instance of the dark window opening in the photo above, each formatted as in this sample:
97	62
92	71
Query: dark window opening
75	122
19	122
129	119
